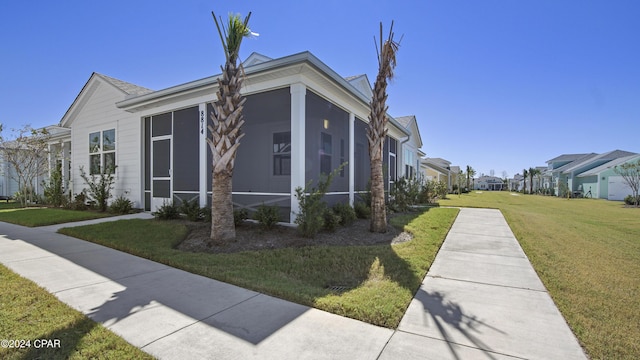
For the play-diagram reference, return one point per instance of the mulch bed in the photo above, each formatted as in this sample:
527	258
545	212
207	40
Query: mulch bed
251	236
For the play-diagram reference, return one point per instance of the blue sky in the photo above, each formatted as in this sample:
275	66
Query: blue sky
498	85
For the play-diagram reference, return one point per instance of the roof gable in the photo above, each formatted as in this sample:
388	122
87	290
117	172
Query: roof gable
362	84
255	59
95	80
411	123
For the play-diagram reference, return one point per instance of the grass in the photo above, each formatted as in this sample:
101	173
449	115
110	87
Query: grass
29	312
587	253
378	281
44	216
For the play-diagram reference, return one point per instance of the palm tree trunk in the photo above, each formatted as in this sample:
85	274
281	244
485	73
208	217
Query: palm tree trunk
222	225
378	208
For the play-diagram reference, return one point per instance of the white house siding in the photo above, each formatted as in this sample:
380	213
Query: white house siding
100	113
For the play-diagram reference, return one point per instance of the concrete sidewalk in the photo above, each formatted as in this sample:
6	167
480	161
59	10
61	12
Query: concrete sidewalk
481	299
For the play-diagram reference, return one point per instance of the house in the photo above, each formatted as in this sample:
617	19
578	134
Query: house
437	169
301	120
491	183
604	183
564	173
516	183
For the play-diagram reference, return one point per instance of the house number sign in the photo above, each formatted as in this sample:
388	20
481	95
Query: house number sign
201	121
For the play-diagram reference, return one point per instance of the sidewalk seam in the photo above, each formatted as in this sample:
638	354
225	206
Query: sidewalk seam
483	283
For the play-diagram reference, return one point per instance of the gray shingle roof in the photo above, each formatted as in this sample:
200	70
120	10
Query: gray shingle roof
128	88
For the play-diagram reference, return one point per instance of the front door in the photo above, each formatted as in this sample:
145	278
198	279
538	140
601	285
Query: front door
161	184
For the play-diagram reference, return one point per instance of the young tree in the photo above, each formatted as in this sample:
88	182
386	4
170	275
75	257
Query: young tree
630	173
27	153
470	174
532	172
377	130
525	173
226	131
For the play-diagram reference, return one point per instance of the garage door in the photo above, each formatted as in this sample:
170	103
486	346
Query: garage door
618	188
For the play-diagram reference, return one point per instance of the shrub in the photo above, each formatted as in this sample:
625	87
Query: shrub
363	211
629	200
267	216
100	186
191	209
239	216
405	193
310	219
346	212
167	211
331	220
53	193
206	213
121	205
79	202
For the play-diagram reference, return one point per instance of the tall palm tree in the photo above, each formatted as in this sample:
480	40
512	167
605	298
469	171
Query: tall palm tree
532	172
470	174
525	173
226	130
377	130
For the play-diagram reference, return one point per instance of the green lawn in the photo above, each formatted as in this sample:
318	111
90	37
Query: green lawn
28	312
380	280
587	253
44	216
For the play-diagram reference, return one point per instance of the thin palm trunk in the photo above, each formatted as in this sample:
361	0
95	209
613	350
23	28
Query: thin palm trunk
378	130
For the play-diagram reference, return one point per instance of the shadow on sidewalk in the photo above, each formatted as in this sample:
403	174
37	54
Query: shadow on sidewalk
451	321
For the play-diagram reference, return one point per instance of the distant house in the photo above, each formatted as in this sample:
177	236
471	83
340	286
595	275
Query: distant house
564	172
301	120
489	183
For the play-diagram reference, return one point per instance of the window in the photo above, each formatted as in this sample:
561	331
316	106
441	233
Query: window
102	151
393	144
325	153
282	153
409	162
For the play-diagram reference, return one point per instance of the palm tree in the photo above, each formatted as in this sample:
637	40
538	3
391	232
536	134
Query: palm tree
532	172
470	174
226	130
378	128
525	173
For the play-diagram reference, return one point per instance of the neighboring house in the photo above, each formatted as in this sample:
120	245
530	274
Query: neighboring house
491	183
564	171
437	169
301	120
604	182
516	183
411	154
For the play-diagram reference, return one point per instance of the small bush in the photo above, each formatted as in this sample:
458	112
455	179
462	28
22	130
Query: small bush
53	192
362	210
239	216
629	200
191	209
310	219
79	202
121	205
267	216
331	220
206	213
167	211
346	212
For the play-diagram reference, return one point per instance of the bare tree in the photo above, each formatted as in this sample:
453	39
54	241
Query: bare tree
226	130
377	130
630	173
27	155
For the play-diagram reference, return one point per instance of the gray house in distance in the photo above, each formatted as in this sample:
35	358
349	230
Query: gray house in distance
301	120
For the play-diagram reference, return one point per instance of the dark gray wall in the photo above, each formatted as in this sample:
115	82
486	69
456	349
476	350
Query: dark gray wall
362	162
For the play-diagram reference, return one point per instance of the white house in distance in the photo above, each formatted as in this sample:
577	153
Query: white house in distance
301	120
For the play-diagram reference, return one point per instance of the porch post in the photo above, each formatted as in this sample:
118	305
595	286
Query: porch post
352	175
298	119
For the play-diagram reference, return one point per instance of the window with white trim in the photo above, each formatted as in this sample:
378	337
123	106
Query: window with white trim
102	151
282	153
